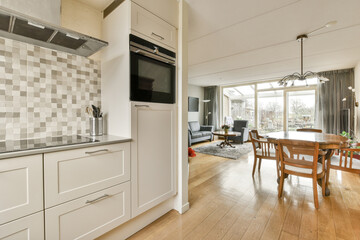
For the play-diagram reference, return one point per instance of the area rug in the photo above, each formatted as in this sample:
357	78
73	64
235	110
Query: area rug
226	152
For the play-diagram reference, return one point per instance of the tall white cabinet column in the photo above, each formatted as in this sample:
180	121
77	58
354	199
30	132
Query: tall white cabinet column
153	170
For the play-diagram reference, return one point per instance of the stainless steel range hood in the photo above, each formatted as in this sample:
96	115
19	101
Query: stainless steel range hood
30	30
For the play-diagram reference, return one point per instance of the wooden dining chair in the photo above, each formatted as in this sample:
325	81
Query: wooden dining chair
309	130
300	158
262	150
345	161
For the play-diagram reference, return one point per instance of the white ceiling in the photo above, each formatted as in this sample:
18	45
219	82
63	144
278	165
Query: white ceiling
238	41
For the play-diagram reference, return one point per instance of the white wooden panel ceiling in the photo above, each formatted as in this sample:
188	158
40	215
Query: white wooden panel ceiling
235	41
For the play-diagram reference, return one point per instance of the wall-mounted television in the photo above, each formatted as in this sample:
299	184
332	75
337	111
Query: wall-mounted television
193	104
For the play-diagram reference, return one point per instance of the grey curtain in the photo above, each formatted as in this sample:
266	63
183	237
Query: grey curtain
211	108
330	100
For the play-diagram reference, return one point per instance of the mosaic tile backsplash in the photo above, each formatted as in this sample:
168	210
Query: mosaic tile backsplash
43	93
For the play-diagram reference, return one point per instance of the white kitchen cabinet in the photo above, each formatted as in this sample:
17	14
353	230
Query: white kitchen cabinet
165	9
76	173
90	216
21	187
145	22
153	171
26	228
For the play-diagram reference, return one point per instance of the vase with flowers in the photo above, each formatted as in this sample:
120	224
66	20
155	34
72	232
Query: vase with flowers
226	128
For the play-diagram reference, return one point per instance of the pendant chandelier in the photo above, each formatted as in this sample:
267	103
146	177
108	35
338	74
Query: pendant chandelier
289	80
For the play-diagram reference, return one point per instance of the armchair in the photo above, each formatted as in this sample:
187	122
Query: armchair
242	127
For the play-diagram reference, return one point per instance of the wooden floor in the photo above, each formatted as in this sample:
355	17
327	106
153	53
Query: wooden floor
227	203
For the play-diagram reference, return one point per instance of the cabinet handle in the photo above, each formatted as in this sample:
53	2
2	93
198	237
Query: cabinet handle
101	150
156	35
142	106
97	199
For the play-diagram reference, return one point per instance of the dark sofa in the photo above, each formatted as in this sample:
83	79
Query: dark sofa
197	133
242	127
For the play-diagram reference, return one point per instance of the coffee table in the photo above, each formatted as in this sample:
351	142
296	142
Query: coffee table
226	137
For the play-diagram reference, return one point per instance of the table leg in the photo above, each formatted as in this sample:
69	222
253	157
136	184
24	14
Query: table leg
327	172
285	176
227	142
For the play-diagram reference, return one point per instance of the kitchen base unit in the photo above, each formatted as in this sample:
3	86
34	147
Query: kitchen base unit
90	216
76	173
21	187
26	228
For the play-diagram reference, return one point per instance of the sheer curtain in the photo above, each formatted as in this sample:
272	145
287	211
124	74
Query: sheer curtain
332	97
211	93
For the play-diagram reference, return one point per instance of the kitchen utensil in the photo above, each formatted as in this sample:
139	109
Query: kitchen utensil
89	111
94	110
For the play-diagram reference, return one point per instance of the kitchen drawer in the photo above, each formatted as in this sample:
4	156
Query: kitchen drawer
152	26
76	173
21	187
26	228
91	216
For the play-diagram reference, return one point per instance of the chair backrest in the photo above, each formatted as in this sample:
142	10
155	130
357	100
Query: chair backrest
309	130
346	160
239	124
194	126
262	147
254	136
299	155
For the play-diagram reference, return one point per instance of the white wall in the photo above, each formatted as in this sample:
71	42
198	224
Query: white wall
196	91
115	72
48	11
357	94
82	18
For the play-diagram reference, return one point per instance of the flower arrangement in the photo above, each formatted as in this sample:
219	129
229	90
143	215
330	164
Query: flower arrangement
352	139
225	127
353	143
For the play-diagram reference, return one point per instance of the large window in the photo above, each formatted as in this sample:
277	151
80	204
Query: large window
270	107
300	109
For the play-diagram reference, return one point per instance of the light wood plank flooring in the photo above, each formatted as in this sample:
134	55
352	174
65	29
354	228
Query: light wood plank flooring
227	203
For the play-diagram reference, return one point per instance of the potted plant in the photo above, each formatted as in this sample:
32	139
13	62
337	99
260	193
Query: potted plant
226	128
353	143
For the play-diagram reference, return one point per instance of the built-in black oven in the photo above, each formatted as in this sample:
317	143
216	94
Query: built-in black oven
152	72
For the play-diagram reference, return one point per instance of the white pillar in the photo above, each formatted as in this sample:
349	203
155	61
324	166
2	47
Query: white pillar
181	201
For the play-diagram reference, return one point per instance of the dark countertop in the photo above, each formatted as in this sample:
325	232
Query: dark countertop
100	140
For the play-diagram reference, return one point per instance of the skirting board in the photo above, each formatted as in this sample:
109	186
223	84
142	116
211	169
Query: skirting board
134	225
184	208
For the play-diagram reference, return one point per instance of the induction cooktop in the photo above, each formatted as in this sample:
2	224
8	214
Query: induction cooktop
29	144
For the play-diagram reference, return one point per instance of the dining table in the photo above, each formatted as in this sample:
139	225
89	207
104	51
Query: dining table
327	142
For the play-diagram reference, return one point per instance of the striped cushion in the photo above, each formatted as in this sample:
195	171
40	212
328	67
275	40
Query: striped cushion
304	170
271	151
